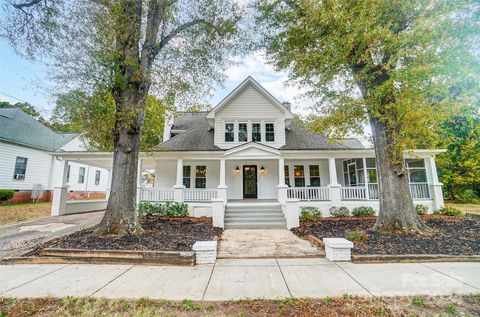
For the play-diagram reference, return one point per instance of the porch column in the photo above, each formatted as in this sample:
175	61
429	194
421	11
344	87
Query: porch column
109	184
222	187
139	182
60	193
335	187
437	193
178	188
365	175
281	187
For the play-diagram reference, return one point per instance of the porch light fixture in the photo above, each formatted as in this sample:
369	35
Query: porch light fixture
237	171
262	170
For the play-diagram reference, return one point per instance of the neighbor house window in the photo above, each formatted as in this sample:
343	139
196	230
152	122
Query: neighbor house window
416	170
97	177
256	132
81	175
68	173
186	176
314	175
229	134
20	168
201	177
299	176
269	132
287	175
242	132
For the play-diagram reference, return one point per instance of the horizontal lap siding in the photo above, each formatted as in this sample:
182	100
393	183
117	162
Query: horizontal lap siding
267	183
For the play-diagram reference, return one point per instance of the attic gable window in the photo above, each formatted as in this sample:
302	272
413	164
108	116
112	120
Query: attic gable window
242	132
269	132
229	132
256	132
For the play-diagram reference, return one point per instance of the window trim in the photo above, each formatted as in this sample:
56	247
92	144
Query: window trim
189	177
246	132
314	177
269	132
259	131
232	132
295	177
15	174
418	168
81	175
200	177
98	175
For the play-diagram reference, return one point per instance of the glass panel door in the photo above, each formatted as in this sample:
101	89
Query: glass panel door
250	181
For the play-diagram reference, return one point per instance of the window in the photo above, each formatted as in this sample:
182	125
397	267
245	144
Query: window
416	170
201	177
68	173
97	177
287	175
20	168
371	170
242	132
229	134
256	132
314	176
186	176
81	175
269	132
299	175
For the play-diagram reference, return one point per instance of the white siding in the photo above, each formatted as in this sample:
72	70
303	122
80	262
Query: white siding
267	183
76	144
89	179
249	106
166	173
38	167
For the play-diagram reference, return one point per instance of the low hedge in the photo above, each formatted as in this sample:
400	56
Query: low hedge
339	211
167	209
448	211
6	194
363	211
310	213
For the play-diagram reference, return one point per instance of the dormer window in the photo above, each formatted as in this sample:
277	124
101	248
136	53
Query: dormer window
229	132
256	132
269	132
242	132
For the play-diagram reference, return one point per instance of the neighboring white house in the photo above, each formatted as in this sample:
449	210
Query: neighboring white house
249	165
30	158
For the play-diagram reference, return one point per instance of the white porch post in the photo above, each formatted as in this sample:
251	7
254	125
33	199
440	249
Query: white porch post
365	175
437	193
281	187
139	182
335	195
222	186
59	201
178	188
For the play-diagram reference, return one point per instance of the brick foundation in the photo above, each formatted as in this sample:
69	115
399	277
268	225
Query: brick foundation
25	196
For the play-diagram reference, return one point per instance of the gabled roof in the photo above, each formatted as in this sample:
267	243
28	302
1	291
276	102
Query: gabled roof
299	138
18	127
249	81
186	120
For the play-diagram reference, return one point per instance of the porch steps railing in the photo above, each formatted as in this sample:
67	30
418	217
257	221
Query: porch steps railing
199	194
156	194
309	193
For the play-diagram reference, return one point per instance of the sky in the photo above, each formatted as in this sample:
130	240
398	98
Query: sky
26	81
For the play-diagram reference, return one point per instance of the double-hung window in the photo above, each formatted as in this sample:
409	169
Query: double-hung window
287	175
299	176
68	173
81	175
97	177
242	132
416	170
229	132
269	132
186	176
371	171
256	132
314	175
20	168
201	177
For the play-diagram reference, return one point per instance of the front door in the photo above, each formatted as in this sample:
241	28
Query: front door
250	181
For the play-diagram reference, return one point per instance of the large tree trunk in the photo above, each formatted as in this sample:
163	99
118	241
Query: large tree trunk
397	211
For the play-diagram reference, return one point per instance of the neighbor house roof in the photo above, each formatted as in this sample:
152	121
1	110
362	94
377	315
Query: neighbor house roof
353	143
200	137
18	127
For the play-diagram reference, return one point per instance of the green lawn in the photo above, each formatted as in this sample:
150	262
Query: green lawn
11	213
470	208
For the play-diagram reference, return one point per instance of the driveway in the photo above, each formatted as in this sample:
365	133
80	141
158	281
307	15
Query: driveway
21	237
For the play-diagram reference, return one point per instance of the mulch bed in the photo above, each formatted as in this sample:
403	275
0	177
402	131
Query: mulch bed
449	235
160	234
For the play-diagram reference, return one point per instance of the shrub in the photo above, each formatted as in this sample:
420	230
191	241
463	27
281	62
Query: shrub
356	236
448	211
421	209
363	211
339	211
168	209
6	194
309	213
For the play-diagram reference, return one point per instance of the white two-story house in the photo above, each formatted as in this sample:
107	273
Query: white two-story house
249	165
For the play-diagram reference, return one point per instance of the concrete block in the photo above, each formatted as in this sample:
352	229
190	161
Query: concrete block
205	252
338	249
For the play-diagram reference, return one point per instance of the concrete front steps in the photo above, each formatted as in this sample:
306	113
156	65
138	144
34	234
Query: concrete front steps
254	216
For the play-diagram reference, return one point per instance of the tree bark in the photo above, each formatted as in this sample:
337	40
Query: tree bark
397	211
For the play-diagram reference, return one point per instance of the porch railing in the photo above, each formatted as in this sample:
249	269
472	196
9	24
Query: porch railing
308	193
199	194
353	193
420	190
156	194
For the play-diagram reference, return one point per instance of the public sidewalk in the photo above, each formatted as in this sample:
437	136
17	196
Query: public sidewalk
241	279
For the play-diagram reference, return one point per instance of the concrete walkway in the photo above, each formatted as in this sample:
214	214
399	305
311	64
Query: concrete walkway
18	238
241	279
264	243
